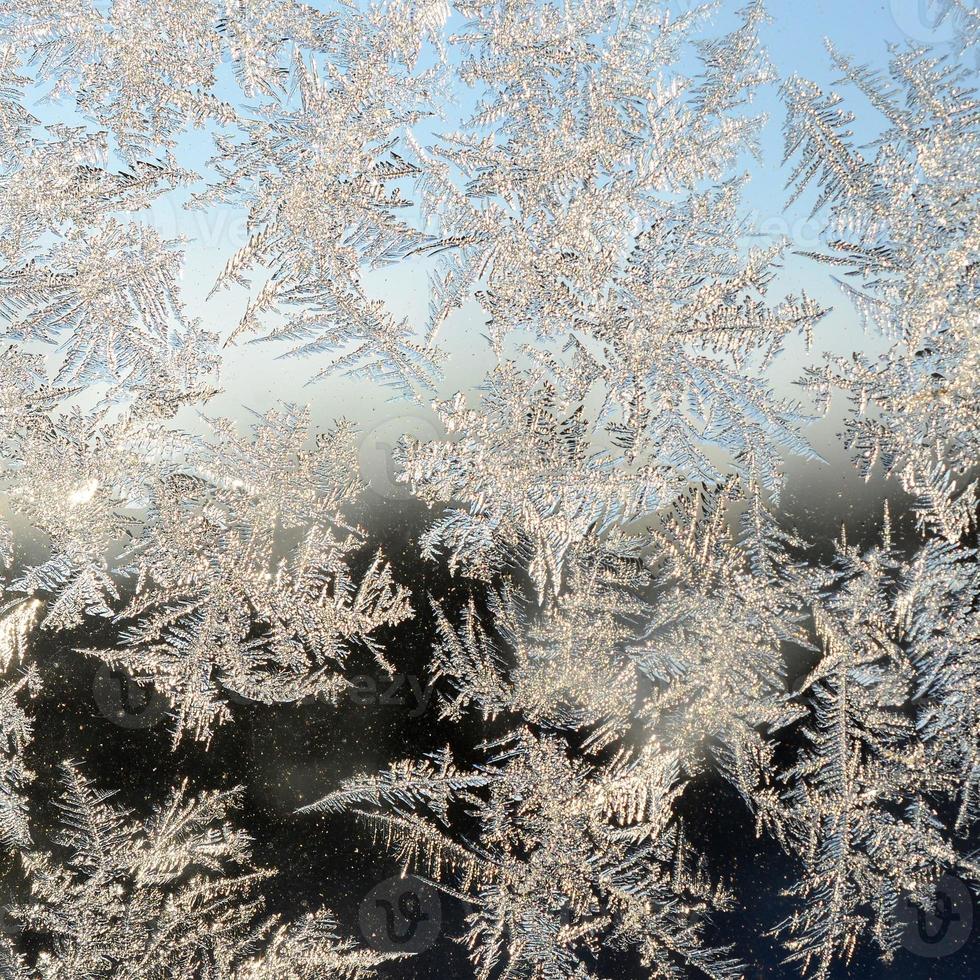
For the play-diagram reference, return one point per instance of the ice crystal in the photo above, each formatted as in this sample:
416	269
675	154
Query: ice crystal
901	225
175	895
570	856
262	603
609	583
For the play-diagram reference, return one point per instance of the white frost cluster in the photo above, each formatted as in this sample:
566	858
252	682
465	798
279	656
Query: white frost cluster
569	176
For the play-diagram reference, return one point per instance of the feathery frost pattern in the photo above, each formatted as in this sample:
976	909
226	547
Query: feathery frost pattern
601	571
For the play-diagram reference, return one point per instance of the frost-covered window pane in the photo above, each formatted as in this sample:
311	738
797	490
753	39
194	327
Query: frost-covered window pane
489	489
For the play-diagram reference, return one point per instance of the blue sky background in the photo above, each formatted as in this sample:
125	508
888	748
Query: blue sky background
795	39
284	746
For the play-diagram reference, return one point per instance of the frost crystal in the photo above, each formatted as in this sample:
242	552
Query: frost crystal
596	568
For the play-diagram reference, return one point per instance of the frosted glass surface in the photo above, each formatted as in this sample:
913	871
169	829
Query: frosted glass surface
488	489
